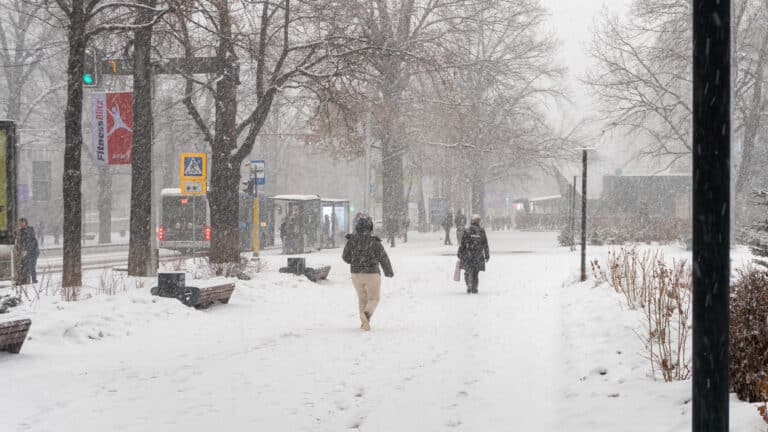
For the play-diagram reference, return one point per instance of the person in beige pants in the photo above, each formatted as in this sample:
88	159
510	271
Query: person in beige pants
366	255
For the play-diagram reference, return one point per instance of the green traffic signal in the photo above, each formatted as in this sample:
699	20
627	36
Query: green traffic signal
87	79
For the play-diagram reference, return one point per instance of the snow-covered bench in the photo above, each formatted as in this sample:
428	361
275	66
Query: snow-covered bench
204	294
13	333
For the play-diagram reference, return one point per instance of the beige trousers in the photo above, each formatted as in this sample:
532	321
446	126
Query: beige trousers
368	287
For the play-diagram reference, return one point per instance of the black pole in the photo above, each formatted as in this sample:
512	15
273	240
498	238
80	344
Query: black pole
584	216
572	220
711	212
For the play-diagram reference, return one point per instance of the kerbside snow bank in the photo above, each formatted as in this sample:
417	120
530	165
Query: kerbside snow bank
288	355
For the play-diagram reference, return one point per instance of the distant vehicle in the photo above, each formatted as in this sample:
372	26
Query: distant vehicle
184	222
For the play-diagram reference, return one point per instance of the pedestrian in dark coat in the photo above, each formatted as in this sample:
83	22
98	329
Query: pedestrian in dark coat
447	224
366	256
461	224
473	253
27	243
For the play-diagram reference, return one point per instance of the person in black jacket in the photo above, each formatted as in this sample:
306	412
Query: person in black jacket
473	253
461	224
365	254
28	249
447	224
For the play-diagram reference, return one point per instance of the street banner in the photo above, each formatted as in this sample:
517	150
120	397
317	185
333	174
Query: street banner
8	198
112	128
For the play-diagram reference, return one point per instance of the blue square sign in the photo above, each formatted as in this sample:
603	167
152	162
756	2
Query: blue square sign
193	166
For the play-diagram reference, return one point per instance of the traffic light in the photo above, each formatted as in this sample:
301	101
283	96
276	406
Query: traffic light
90	70
249	186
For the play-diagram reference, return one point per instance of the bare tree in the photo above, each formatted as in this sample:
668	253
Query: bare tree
270	47
83	20
642	78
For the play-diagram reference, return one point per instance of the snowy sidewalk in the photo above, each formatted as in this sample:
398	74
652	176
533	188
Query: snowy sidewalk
286	354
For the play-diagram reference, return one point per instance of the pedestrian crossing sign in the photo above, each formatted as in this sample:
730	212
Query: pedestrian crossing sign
193	166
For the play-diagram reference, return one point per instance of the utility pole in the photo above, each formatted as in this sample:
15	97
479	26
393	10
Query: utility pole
572	220
711	213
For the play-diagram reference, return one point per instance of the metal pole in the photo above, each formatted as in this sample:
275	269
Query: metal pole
572	220
711	213
584	216
256	222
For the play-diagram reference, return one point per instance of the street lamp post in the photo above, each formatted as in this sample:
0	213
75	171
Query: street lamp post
584	211
711	213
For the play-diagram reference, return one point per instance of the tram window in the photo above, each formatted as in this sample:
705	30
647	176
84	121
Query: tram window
178	212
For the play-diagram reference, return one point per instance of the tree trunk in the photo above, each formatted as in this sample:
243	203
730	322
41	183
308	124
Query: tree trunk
225	172
423	223
73	178
478	195
105	205
140	262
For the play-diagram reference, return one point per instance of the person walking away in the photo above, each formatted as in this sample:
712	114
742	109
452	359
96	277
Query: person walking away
447	224
29	250
366	256
390	227
461	224
473	254
326	237
405	223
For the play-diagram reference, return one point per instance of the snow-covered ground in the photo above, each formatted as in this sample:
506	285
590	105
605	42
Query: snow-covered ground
526	354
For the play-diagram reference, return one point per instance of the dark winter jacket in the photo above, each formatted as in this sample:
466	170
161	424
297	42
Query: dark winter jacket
28	242
448	221
461	221
473	251
364	253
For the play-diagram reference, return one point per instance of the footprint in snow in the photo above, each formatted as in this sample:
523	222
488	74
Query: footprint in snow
452	423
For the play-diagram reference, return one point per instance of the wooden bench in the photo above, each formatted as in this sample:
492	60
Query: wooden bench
173	285
316	274
202	298
13	334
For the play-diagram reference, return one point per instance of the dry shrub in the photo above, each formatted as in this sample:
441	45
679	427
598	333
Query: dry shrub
112	283
749	335
628	272
763	409
204	268
663	292
667	310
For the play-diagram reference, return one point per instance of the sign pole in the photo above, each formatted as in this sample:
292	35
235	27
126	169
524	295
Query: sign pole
584	217
256	226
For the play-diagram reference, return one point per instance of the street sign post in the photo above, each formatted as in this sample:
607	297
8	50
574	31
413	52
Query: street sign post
258	171
193	171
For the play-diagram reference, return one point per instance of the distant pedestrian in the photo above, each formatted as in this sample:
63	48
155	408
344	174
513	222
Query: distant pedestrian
28	249
390	228
473	254
326	237
41	232
447	224
461	225
56	233
405	222
366	256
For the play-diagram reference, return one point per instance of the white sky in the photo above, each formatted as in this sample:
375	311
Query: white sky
572	23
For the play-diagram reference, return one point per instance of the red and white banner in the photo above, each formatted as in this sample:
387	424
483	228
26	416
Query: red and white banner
112	128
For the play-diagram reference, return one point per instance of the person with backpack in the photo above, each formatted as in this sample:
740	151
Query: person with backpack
473	253
366	256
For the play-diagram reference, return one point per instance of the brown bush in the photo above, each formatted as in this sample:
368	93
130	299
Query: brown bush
749	335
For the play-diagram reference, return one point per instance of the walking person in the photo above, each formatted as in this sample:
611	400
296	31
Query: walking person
27	244
461	224
473	254
447	224
405	222
366	256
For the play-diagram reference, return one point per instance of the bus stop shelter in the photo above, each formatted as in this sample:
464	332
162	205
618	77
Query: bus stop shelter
299	218
336	221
